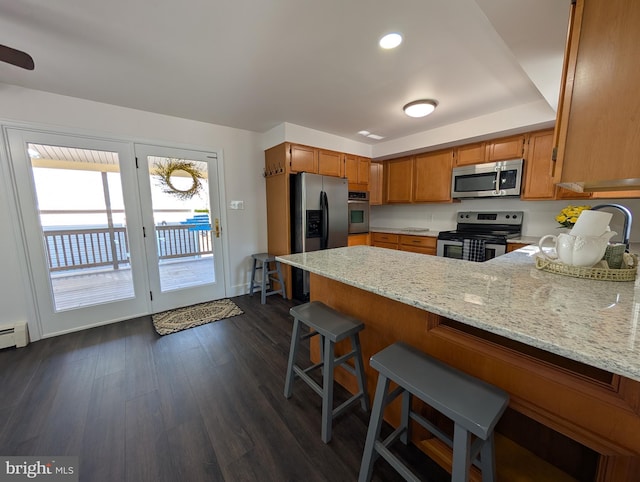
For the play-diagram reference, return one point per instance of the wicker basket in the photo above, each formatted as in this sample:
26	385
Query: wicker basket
603	274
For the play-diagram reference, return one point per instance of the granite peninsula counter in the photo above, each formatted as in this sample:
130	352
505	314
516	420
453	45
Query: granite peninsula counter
567	350
593	322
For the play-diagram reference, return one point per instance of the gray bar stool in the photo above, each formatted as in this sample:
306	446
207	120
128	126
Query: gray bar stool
332	328
474	406
266	280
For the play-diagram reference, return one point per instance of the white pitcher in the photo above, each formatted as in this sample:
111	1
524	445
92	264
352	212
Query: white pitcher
577	250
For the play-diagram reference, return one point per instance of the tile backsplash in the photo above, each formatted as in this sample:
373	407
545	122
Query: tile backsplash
539	216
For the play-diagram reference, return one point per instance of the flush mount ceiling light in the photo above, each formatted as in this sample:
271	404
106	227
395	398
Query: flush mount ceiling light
420	108
390	41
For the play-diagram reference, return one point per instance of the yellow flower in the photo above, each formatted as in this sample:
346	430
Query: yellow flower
569	215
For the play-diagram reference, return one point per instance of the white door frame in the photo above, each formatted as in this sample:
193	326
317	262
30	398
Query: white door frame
34	316
162	301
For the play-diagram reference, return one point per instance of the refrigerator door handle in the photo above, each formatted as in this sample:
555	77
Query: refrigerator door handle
324	205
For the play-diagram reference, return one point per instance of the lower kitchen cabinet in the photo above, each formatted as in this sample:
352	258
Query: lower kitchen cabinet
418	244
514	246
358	239
405	242
384	240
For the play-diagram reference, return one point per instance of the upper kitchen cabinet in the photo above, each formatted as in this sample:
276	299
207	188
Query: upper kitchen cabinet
538	176
598	124
470	154
303	158
376	183
502	149
330	163
398	181
287	157
505	148
538	179
432	176
357	171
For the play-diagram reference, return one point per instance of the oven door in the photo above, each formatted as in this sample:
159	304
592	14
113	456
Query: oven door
358	217
448	248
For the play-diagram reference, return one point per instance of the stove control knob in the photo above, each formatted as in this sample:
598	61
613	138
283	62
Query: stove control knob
507	216
514	216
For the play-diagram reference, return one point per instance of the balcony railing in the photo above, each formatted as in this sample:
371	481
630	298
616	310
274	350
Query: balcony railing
68	249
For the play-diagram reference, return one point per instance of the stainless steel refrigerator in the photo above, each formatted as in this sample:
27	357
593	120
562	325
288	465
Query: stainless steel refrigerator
319	213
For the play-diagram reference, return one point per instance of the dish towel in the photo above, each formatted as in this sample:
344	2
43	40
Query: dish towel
473	250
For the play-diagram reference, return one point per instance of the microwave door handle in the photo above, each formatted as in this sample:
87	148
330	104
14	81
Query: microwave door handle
496	181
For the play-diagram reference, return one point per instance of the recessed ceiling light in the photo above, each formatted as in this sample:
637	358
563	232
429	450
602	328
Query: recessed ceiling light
375	136
390	41
420	108
364	133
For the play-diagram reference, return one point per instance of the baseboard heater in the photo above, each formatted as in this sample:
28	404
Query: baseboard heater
14	334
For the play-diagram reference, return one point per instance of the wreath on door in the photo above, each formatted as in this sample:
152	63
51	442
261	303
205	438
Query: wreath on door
171	167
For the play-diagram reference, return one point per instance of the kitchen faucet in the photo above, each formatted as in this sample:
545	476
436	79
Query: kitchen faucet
628	218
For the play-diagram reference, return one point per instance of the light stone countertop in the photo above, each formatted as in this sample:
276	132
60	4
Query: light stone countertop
593	322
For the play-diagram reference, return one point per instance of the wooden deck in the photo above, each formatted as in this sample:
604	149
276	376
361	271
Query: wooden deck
91	287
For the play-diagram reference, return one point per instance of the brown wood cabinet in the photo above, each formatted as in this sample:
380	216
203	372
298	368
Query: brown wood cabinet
538	176
418	244
303	158
356	170
500	149
514	246
330	163
376	184
422	178
405	242
598	128
358	239
505	148
384	240
432	176
398	180
470	154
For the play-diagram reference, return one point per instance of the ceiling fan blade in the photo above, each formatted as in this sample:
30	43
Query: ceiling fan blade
16	57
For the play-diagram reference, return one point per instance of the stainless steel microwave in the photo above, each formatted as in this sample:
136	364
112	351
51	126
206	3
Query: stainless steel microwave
492	179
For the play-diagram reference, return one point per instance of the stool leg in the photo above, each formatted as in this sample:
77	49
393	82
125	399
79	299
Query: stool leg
293	351
404	417
373	432
487	460
281	280
327	390
265	278
461	454
253	277
359	365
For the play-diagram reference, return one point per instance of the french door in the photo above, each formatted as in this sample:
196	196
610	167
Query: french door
181	217
98	251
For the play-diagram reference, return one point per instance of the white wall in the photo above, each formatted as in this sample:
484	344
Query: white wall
243	161
538	215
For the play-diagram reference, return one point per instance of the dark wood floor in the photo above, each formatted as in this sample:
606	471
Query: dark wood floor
202	404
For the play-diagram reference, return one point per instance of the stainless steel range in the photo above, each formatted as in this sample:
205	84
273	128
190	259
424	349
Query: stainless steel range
480	235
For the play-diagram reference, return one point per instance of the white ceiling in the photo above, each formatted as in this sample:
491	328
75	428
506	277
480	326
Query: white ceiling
254	64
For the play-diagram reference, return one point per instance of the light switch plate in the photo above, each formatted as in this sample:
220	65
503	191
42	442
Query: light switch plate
236	204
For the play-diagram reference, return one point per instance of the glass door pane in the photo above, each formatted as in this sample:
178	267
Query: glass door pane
180	203
84	229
